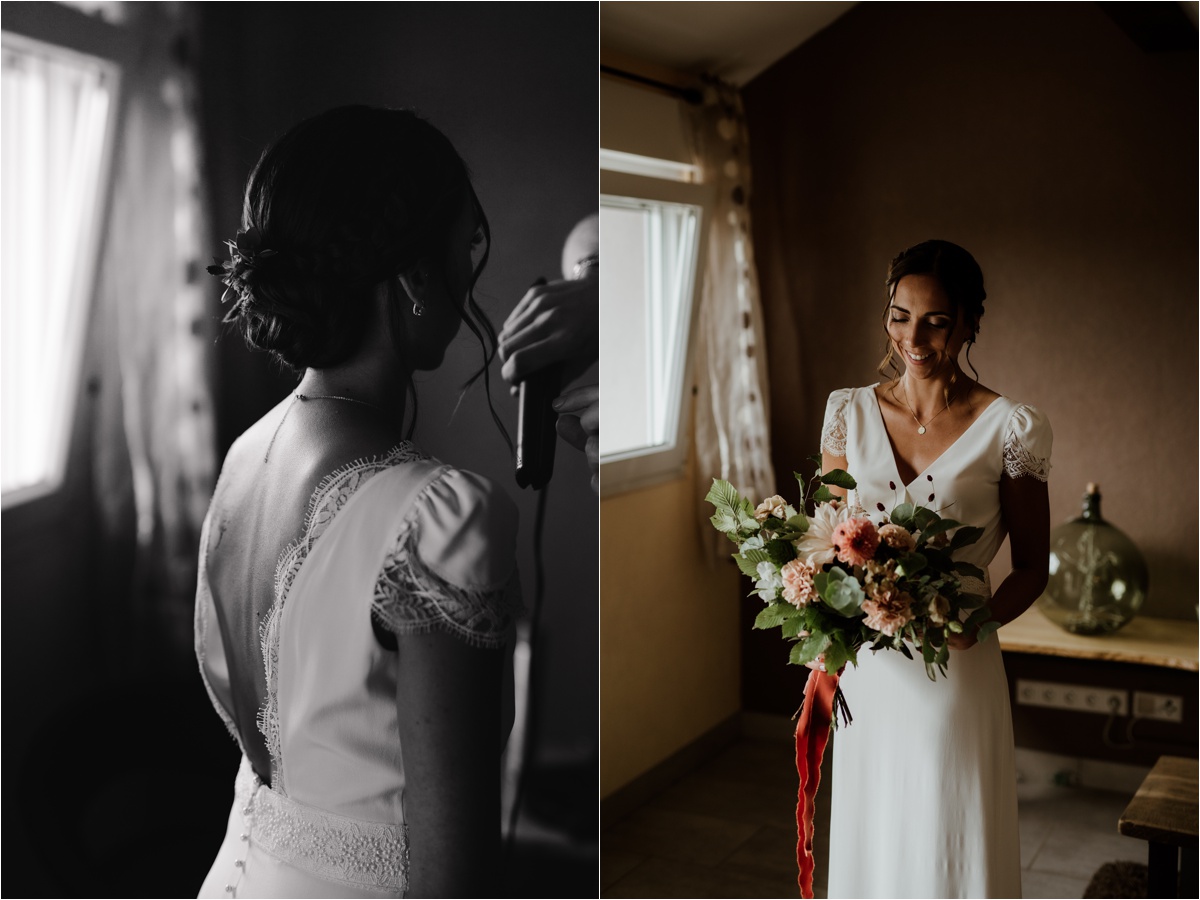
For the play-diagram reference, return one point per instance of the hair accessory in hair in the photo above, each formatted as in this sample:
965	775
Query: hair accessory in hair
237	272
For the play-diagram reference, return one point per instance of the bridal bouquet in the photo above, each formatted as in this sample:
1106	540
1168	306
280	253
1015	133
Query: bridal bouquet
834	580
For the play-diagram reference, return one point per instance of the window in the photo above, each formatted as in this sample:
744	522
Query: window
55	124
650	244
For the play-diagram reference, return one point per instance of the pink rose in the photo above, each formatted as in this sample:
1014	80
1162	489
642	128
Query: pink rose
888	611
798	587
897	538
773	506
855	541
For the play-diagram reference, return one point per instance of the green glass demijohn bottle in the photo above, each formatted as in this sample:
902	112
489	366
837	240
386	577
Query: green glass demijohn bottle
1098	578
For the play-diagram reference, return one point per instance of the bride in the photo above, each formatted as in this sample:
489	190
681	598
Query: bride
356	598
924	780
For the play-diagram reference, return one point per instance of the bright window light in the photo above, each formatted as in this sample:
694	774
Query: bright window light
53	122
649	253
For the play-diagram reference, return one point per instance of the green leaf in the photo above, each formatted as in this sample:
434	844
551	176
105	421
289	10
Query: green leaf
775	614
939	527
839	478
841	592
943	655
910	564
815	459
781	552
823	495
976	618
970	571
954	626
749	567
965	536
724	496
985	630
923	517
903	648
902	515
798	522
808	649
836	655
724	522
793	626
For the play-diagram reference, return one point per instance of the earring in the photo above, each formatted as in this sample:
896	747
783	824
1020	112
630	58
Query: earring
418	308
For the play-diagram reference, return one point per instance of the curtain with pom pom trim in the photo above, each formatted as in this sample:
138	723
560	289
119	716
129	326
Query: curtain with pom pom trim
154	434
732	429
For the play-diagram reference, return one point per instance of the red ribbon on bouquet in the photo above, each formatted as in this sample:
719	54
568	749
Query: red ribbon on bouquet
812	734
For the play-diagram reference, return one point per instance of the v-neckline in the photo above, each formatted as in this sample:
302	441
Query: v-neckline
887	436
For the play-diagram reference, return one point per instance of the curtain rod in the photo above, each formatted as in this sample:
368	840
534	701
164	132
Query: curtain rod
688	95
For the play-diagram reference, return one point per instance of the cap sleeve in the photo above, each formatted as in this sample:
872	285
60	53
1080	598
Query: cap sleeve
1027	443
833	432
453	568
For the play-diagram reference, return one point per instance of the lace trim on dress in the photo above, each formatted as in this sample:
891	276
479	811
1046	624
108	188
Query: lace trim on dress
335	848
329	497
833	434
1019	460
410	598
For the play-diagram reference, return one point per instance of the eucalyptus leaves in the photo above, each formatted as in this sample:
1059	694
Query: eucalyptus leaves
834	580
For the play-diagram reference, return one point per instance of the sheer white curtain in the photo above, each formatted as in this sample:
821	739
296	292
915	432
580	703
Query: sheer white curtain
55	111
155	442
732	402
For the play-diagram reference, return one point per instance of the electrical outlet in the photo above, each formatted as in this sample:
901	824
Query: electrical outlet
1078	697
1165	707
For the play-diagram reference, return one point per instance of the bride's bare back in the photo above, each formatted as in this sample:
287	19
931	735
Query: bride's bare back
259	510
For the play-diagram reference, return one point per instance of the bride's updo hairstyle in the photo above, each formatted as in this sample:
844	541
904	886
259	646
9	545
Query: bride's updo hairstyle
342	202
959	276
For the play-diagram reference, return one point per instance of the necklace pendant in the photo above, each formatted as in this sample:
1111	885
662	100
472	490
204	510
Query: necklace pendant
921	430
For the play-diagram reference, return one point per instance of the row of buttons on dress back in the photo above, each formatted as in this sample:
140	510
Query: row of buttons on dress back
240	864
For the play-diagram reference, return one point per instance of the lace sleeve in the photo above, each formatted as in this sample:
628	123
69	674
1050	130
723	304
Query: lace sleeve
1027	443
833	432
453	569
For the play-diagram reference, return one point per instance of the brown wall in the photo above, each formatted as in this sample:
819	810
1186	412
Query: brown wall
1064	157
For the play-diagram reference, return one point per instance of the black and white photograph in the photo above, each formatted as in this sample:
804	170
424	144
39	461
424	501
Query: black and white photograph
300	409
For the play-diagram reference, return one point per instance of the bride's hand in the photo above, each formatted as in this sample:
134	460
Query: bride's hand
960	641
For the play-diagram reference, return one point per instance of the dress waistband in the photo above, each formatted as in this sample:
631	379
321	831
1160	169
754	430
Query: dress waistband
336	848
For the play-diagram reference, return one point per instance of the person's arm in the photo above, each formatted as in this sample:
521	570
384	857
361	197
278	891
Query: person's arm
448	593
1025	506
448	697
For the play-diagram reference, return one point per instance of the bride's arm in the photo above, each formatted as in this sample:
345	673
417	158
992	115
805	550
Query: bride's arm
829	462
1025	506
449	705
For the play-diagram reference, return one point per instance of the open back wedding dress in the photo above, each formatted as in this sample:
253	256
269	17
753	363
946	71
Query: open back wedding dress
924	780
402	538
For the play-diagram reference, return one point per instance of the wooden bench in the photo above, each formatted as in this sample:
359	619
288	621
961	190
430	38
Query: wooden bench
1163	812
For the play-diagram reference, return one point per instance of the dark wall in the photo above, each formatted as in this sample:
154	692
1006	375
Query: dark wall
514	87
1063	155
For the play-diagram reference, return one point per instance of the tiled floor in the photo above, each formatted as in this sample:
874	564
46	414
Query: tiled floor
728	830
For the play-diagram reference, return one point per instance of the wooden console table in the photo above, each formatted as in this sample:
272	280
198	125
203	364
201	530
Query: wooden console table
1170	643
1163	813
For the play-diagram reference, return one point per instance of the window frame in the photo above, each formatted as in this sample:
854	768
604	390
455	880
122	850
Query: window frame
62	28
639	469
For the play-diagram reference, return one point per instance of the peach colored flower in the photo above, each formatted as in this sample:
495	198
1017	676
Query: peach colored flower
939	610
773	506
856	541
888	611
816	545
798	587
897	538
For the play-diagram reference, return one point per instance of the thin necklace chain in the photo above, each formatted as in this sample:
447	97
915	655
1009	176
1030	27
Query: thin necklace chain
921	428
304	397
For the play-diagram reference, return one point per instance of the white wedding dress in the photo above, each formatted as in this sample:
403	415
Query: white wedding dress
924	780
419	546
